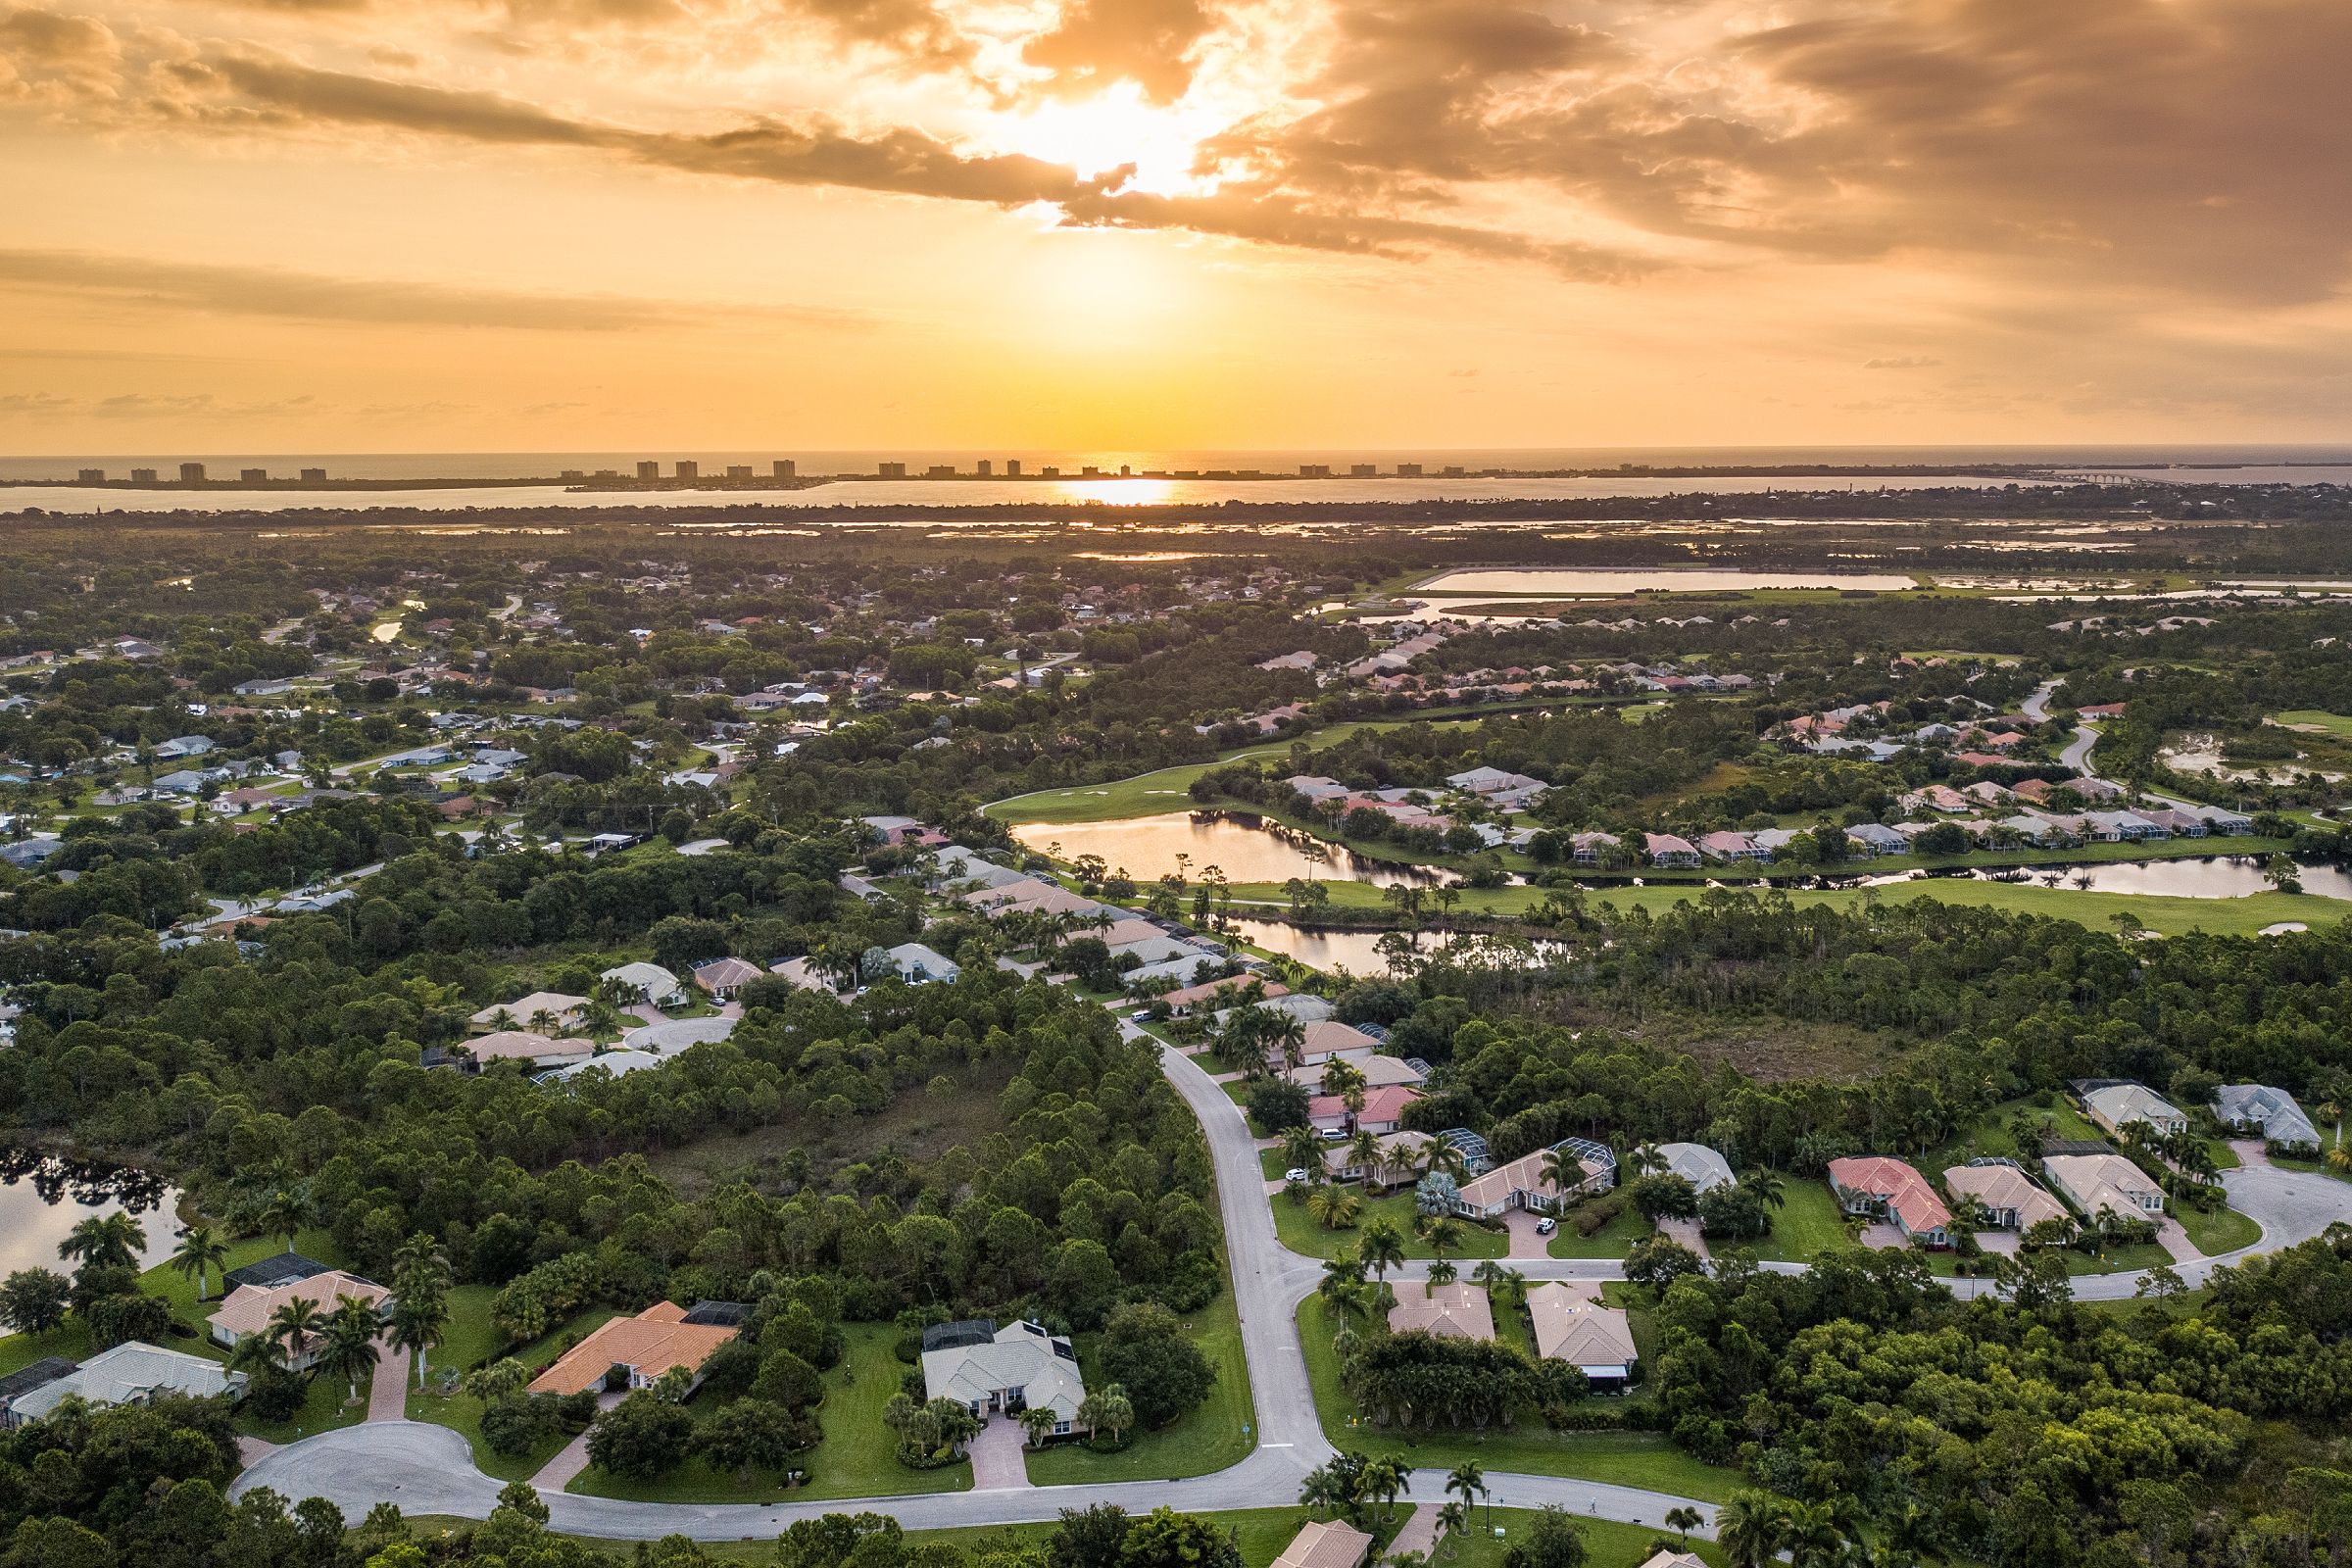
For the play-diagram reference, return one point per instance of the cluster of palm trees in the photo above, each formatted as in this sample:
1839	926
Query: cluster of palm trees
1357	1289
1756	1528
926	1428
347	1340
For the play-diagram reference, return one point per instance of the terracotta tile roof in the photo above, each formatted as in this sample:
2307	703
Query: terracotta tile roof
652	1342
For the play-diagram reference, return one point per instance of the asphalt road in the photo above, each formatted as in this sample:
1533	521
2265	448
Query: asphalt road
429	1469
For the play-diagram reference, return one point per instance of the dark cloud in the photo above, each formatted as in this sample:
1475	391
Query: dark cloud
259	291
1099	42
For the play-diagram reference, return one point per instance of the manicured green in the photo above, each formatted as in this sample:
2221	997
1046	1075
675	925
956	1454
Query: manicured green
1613	1240
1809	1222
1624	1458
2219	1230
1210	1439
1607	1544
469	1337
1301	1232
2336	724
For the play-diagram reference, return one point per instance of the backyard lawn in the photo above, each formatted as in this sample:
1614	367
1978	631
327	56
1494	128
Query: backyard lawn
1807	1224
1301	1232
1624	1458
856	1459
1212	1438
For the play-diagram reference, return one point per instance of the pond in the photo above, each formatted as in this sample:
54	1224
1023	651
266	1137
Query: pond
1613	580
1358	951
1245	846
2219	876
42	1197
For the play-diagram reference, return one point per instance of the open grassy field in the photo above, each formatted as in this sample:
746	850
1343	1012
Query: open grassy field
1626	1458
857	1456
1215	1436
2312	719
1301	1233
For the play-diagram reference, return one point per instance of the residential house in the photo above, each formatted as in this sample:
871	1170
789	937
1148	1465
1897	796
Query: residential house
1326	1544
134	1372
2097	1184
1399	1161
1873	838
1572	1325
1728	846
651	981
1521	1184
519	1045
673	1034
1456	1312
2011	1199
2272	1113
1593	849
1018	1367
1670	850
1702	1167
1383	1112
247	1309
1316	787
721	978
1328	1038
1222	989
1495	781
2112	1104
1883	1186
180	746
917	964
638	1352
1380	1072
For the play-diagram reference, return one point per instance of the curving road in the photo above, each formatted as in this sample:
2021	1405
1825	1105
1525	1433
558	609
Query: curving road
429	1469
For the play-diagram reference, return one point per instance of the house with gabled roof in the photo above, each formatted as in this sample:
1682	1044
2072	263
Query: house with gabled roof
1881	1186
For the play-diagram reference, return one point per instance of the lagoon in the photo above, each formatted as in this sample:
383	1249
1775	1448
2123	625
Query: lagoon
1245	846
43	1198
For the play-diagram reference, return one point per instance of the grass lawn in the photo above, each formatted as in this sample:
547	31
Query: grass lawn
1607	1544
2008	1130
1626	1458
1210	1439
1807	1224
1301	1233
72	1340
1613	1240
2215	1231
468	1338
2336	724
856	1459
327	1406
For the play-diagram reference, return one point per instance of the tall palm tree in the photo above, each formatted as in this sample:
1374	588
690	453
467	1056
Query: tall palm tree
1363	1154
1386	1481
1438	1155
1466	1481
1811	1536
1749	1528
1564	1170
1381	1247
199	1252
1302	1150
285	1213
349	1349
417	1318
1452	1519
1766	1183
1441	1272
295	1326
1684	1521
105	1241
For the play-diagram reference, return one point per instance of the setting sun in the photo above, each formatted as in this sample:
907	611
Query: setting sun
1116	127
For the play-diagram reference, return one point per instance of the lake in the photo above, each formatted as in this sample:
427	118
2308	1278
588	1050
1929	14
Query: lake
43	1198
1246	848
1358	951
2219	876
1564	582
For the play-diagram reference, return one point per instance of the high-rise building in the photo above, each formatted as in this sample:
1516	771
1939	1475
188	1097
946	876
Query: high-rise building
649	471
314	476
1125	471
142	476
1090	471
894	470
1048	473
252	475
1455	471
688	468
191	473
1013	467
569	475
1314	470
985	469
1408	471
786	468
739	470
940	471
91	476
1361	470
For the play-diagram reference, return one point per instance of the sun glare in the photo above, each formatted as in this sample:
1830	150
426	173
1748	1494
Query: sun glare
1115	128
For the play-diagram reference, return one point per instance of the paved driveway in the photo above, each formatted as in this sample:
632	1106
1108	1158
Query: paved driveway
998	1460
1520	1226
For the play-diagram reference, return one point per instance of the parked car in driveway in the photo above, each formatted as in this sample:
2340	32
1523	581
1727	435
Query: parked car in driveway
1547	1225
1297	1173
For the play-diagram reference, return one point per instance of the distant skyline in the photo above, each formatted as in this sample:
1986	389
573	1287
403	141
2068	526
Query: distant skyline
1393	225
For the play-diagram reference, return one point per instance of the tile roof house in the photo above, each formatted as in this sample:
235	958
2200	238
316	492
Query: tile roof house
564	1008
1018	1367
1380	1072
2010	1199
2113	1104
2097	1183
1326	1544
1668	848
1723	845
134	1372
644	1347
917	964
525	1045
246	1311
1328	1036
1207	990
723	977
1383	1112
1885	1188
1702	1167
1572	1325
1455	1312
1520	1184
2274	1111
654	983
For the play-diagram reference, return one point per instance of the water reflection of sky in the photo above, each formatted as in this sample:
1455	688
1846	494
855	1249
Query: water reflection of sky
2205	877
31	1225
1147	848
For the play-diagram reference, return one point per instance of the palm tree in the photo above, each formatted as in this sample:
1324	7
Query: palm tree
199	1252
1116	1411
1439	1155
1749	1528
1766	1183
417	1318
1684	1521
1381	1247
1441	1272
1363	1154
284	1214
1439	1232
1810	1535
1335	1207
351	1349
1037	1423
1466	1481
1564	1170
105	1241
1385	1480
1302	1151
1452	1519
294	1326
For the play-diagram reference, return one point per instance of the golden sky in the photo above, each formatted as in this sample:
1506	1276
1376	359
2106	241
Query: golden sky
423	225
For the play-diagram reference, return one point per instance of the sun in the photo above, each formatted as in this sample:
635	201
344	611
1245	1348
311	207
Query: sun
1112	128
